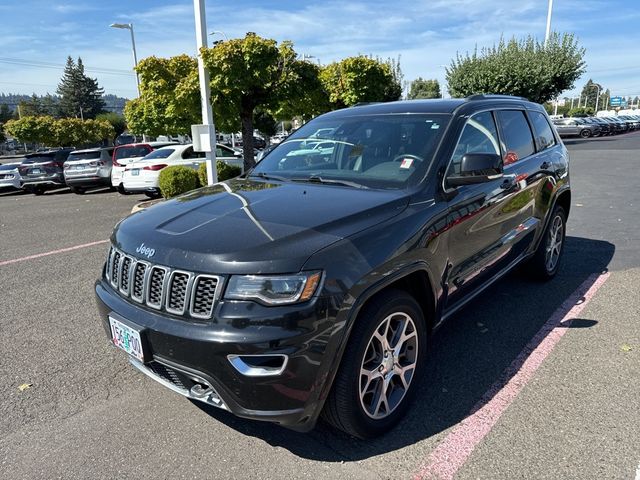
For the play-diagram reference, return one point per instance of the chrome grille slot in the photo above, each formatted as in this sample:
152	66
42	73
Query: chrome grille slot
204	296
155	287
137	288
115	268
177	292
125	274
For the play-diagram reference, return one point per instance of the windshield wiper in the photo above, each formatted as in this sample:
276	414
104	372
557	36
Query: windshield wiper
331	181
268	176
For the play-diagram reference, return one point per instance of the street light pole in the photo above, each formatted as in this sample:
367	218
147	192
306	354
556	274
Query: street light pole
129	26
219	32
205	93
548	32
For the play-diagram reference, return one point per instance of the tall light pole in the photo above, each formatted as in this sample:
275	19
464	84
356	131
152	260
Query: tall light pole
597	97
219	32
129	26
205	93
546	35
445	78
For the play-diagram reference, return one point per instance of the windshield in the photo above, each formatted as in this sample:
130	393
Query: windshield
161	153
373	151
131	152
84	156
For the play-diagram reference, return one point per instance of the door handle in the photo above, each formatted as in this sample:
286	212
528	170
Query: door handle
545	165
508	182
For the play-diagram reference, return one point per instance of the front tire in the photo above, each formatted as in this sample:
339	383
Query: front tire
585	133
546	261
381	367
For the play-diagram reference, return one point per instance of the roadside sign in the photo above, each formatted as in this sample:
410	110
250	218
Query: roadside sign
616	101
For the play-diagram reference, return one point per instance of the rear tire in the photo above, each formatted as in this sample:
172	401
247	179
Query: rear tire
152	195
585	133
546	261
122	191
78	190
38	191
381	367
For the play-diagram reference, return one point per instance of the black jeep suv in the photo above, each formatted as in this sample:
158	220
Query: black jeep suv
312	283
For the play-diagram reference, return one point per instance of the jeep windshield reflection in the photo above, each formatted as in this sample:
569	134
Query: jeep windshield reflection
364	151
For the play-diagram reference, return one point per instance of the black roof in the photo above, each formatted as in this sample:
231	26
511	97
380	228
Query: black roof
436	105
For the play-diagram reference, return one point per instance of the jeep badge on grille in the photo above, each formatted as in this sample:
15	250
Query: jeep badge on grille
146	251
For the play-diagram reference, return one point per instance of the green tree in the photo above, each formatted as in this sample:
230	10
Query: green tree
359	79
580	112
253	73
422	88
116	120
81	96
526	68
590	93
169	101
5	113
32	129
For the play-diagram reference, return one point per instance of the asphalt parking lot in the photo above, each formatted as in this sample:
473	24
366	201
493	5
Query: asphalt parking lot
500	400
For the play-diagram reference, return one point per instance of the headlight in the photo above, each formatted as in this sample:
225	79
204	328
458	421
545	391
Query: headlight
273	289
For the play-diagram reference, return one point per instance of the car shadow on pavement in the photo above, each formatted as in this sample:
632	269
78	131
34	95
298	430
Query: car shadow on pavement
467	356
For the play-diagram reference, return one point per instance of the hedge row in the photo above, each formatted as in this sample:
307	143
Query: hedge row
179	179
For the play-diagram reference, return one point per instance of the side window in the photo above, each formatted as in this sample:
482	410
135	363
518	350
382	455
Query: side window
517	138
544	134
478	136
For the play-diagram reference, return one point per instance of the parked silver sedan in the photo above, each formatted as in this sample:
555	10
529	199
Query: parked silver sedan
10	175
88	168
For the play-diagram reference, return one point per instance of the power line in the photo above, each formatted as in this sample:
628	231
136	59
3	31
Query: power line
55	66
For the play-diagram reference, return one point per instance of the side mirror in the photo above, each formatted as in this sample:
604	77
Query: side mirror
237	154
477	168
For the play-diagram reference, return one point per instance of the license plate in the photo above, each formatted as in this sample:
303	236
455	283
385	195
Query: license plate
135	172
126	338
36	171
79	167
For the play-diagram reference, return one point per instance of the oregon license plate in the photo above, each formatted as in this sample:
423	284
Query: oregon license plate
36	171
126	338
135	171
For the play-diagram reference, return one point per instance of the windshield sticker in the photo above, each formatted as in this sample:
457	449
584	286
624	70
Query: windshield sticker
435	126
406	163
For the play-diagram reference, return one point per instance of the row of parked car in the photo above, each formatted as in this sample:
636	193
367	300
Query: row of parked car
586	127
130	168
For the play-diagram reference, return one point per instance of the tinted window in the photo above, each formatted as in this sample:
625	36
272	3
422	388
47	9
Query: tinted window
544	134
130	152
376	151
190	153
518	141
160	153
84	156
478	136
224	152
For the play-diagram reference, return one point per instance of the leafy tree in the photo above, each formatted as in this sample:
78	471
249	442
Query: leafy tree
580	112
6	114
169	101
590	92
359	79
81	96
265	123
421	88
116	120
32	129
46	130
251	73
524	68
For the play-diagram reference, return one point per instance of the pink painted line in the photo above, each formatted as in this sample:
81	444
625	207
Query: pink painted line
445	461
53	252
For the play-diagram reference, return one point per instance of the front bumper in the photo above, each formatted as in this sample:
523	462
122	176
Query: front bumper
199	350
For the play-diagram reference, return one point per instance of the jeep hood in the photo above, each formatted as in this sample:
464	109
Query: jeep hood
244	226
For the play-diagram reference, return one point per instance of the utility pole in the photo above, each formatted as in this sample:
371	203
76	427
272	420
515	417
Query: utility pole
205	93
548	32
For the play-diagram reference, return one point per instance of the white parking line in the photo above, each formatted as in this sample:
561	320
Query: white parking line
53	252
638	473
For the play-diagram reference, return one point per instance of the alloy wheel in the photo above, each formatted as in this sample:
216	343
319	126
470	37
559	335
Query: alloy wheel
554	243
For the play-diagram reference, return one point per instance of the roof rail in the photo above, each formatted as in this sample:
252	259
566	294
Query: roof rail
489	96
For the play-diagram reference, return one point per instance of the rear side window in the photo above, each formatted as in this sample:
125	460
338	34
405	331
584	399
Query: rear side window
130	152
516	134
544	134
479	136
160	153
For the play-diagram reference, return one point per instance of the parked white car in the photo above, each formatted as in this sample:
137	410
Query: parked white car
123	155
142	175
10	176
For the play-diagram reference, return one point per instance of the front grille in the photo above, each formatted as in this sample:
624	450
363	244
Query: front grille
205	294
161	288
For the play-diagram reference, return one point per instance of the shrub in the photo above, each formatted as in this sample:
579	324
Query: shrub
225	172
177	180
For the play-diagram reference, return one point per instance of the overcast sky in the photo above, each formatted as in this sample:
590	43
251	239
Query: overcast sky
426	34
